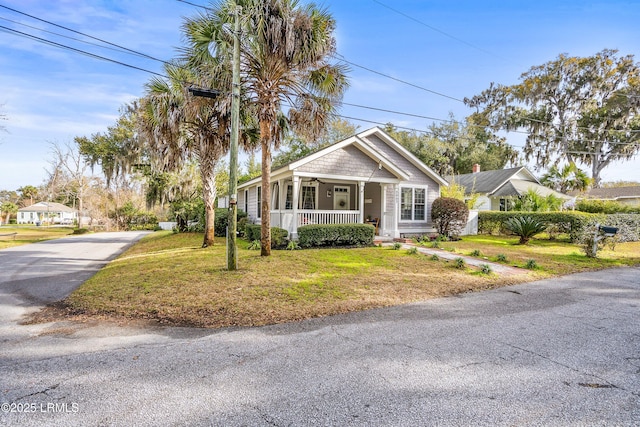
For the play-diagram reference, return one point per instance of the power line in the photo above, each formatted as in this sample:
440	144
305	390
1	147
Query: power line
343	59
437	29
83	34
95	56
80	51
66	37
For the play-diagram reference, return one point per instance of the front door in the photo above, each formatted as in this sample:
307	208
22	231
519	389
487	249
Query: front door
341	198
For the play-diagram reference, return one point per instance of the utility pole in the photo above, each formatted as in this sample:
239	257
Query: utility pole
232	249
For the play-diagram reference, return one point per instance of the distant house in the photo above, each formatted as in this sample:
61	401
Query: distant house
498	189
625	195
47	212
368	177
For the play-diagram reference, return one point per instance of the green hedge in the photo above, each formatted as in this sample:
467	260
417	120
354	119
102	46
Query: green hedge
571	223
628	226
336	235
222	220
278	235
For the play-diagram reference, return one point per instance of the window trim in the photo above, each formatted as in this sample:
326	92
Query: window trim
315	186
259	201
413	189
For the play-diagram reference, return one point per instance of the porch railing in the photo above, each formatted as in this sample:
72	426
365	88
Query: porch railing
306	217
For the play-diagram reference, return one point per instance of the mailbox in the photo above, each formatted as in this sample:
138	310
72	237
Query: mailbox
608	231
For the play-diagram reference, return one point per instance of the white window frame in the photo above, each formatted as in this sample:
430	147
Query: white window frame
413	203
315	201
259	201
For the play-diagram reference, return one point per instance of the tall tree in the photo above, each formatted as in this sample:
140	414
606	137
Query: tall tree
575	110
7	208
179	126
285	49
27	194
117	150
67	176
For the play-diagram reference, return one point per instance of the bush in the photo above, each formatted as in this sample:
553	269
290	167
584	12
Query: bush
571	223
336	235
412	251
129	217
80	231
253	232
485	269
531	264
449	216
460	263
605	206
628	226
222	221
525	227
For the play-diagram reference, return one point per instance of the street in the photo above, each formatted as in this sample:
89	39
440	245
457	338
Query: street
560	352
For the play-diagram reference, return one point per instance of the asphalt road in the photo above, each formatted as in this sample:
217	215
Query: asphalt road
561	352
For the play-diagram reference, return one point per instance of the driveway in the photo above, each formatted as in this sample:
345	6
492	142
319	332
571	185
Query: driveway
561	352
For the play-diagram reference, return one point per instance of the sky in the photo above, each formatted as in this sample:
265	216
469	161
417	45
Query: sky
409	56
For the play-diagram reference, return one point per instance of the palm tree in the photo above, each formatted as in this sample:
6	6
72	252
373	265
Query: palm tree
179	126
285	47
569	178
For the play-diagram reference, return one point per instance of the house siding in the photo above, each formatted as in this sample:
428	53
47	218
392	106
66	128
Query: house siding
348	161
417	178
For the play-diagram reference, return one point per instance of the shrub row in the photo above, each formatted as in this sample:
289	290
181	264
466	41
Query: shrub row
278	235
605	206
336	235
572	223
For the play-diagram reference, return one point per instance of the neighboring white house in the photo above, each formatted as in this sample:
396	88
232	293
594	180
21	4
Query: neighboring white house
368	176
47	212
498	189
625	195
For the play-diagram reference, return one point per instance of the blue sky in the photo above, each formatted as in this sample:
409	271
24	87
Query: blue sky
456	48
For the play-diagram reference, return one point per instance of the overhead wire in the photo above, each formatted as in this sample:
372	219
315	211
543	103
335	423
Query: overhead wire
127	50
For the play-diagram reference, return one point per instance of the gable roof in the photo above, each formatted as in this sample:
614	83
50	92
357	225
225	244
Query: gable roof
518	187
47	207
359	141
613	193
490	181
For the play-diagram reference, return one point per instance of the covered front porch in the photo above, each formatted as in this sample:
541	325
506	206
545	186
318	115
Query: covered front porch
302	200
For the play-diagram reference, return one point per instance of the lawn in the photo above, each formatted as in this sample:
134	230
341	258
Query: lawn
19	235
169	279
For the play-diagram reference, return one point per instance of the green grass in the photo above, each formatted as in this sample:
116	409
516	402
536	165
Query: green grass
168	278
30	234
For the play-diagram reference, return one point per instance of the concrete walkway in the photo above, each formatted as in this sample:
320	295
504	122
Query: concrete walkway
476	262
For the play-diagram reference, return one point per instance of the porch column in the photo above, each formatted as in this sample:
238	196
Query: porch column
294	202
361	200
383	209
395	215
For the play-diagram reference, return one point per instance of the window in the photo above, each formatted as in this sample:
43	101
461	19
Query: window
259	200
506	205
288	204
246	201
309	197
413	204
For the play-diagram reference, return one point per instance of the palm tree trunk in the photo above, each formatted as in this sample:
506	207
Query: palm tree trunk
209	197
265	231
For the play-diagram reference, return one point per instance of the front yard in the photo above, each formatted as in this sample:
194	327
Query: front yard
168	278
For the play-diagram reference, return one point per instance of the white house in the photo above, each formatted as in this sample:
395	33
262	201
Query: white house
368	177
47	212
498	189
